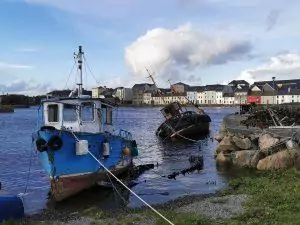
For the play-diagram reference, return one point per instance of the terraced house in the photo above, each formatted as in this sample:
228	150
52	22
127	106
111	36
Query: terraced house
274	92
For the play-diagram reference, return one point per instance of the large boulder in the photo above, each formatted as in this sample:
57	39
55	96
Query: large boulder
226	145
279	160
223	158
243	158
223	128
242	143
256	157
265	141
219	137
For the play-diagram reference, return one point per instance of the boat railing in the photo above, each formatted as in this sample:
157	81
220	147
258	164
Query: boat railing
124	134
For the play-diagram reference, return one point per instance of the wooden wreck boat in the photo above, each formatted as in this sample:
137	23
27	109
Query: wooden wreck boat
180	123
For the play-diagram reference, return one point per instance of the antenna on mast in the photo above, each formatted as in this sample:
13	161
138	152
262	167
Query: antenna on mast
79	57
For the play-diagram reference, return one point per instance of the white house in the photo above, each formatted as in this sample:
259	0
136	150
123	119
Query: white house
124	94
192	93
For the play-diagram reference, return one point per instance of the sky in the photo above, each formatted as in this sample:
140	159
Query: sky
197	42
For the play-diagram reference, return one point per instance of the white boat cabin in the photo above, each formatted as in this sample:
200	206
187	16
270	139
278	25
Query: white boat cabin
78	114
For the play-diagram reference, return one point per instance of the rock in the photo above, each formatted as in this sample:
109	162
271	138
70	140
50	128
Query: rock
279	160
256	157
231	134
242	143
265	141
226	145
243	158
219	137
222	158
223	128
290	144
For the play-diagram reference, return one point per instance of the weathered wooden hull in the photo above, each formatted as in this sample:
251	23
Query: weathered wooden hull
68	186
185	127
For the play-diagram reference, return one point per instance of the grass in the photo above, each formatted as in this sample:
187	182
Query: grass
275	197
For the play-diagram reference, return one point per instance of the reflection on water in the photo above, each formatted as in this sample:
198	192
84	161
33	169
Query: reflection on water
15	151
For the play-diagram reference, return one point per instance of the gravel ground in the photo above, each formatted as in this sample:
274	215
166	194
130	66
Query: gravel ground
218	207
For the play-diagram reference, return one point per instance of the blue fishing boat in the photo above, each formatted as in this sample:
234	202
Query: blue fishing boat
75	141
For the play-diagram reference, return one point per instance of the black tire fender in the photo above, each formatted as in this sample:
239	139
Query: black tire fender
55	143
41	145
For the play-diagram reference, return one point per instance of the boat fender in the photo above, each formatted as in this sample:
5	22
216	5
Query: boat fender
126	151
82	147
55	143
43	128
106	150
134	143
41	145
134	152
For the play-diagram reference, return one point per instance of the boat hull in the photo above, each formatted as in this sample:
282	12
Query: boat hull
70	172
193	131
186	127
68	186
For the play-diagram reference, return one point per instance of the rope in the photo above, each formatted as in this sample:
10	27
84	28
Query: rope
87	65
70	74
114	188
117	179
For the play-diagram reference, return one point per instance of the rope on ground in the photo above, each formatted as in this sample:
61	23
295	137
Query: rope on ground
117	179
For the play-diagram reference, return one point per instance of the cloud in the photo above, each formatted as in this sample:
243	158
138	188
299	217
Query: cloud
184	48
282	66
4	65
25	87
27	50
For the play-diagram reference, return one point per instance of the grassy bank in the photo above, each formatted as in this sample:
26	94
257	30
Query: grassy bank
274	198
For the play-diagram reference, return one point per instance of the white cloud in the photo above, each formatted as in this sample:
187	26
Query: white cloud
25	87
4	65
283	66
184	48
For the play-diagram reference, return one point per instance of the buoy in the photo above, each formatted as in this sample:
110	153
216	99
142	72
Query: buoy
106	150
11	207
126	151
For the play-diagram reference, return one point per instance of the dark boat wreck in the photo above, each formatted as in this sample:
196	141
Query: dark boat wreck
180	123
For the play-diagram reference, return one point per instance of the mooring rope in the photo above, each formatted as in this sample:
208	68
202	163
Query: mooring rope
117	179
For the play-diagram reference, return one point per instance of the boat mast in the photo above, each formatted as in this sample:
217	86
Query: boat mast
79	61
151	77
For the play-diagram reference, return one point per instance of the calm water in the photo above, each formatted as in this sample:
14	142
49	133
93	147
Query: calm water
16	150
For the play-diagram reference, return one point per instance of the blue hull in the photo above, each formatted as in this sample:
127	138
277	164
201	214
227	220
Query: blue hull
71	173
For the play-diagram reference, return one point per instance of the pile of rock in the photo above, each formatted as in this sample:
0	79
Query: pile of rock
263	151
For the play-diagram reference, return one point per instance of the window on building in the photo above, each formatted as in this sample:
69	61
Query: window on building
70	112
53	114
87	111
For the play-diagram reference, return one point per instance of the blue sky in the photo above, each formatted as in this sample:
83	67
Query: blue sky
194	41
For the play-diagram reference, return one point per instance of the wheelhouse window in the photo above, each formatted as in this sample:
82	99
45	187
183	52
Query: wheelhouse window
70	112
53	113
87	111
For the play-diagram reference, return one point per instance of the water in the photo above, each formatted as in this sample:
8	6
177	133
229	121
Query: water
16	151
